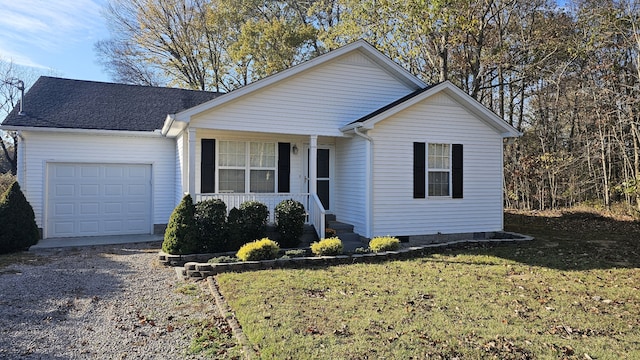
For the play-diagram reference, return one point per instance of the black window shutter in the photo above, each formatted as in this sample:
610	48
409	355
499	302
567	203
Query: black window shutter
456	167
284	167
208	166
419	170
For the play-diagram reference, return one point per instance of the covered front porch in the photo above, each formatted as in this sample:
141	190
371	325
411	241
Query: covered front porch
242	166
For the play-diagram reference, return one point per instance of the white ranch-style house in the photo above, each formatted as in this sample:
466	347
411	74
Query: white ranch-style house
349	133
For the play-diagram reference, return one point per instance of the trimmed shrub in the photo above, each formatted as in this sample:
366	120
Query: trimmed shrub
296	253
327	247
223	259
384	243
263	249
254	220
235	230
181	236
290	215
18	229
362	250
211	219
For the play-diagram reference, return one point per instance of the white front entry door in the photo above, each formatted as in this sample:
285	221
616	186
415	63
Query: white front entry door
97	199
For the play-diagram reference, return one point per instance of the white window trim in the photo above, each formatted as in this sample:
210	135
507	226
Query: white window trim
448	170
247	167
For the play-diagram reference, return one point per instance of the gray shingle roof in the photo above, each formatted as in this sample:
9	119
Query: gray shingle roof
392	105
77	104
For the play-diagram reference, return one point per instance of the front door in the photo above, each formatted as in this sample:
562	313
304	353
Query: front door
324	172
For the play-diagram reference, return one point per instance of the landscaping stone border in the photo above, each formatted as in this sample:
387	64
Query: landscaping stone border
201	270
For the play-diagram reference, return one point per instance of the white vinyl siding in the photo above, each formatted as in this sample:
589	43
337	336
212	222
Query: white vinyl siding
159	153
438	119
316	102
349	184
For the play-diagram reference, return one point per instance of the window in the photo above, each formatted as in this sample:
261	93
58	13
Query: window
439	169
246	165
443	164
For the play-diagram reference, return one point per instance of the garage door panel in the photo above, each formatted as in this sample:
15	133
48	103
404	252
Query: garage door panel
63	209
89	209
113	190
64	190
98	199
89	227
90	171
68	171
136	190
114	172
89	190
64	228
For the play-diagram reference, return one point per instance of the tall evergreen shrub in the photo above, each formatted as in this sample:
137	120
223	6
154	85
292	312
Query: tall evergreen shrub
290	215
211	218
18	229
235	230
181	236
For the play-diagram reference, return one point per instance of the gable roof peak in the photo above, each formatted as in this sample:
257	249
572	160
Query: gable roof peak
373	54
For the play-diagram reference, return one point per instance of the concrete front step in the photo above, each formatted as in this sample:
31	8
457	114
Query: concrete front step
340	227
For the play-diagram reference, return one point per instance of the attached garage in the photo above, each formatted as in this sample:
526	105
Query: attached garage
85	199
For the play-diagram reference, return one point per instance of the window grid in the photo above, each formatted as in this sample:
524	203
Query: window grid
439	169
246	165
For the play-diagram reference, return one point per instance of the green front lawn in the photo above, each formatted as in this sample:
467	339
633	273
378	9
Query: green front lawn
572	293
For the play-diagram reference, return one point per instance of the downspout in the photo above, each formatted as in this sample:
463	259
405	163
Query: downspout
368	182
20	172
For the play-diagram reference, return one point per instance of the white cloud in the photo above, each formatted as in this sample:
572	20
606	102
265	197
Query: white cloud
46	26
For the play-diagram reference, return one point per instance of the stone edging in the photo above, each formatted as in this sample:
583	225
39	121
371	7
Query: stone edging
225	311
197	270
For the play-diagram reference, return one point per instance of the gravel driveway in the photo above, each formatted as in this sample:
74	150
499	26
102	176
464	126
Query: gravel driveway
102	302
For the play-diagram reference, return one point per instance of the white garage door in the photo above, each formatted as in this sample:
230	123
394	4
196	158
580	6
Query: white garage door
98	199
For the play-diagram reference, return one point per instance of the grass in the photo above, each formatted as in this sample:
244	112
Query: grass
210	335
572	293
21	257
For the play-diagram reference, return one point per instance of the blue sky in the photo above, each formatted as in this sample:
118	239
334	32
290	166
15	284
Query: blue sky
54	34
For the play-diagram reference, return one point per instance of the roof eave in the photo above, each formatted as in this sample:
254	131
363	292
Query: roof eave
172	126
154	133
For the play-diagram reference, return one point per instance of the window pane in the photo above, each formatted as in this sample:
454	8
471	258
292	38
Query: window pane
263	154
263	181
232	153
438	156
322	168
438	183
231	180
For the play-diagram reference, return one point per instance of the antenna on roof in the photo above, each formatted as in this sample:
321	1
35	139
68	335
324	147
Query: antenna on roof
19	84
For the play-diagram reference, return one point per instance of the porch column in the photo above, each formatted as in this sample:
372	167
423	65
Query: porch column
313	164
191	162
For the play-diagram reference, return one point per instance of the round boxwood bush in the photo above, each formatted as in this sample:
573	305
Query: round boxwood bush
263	249
384	243
181	236
211	219
254	220
290	215
327	247
18	229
